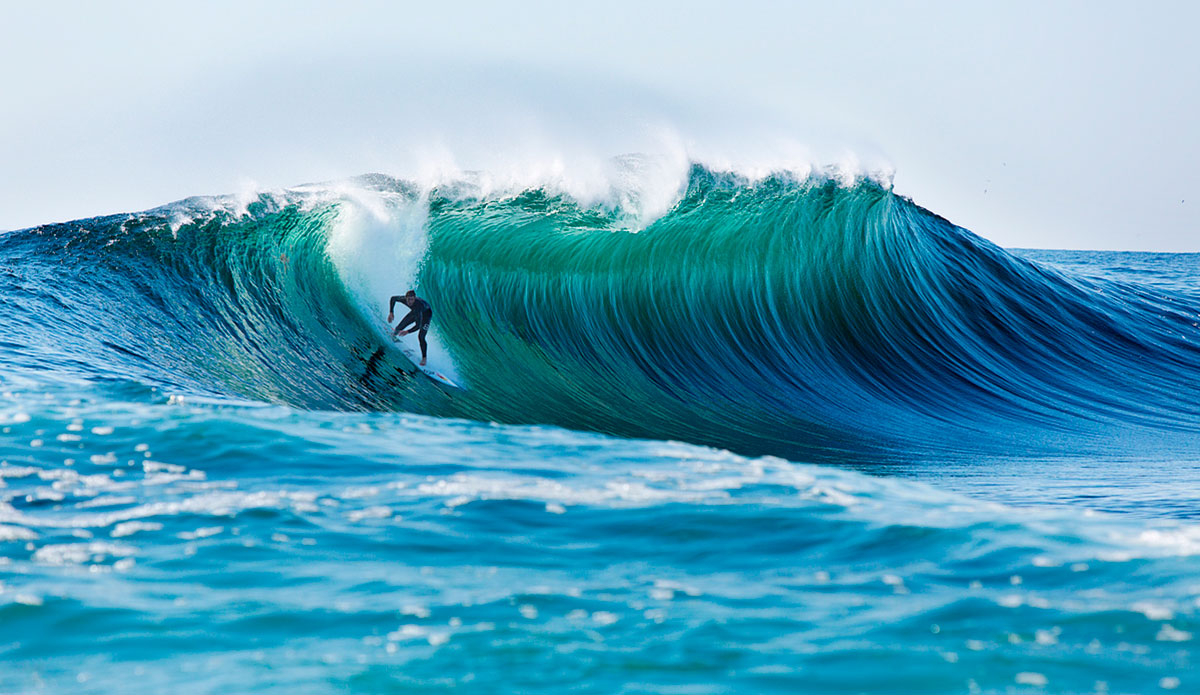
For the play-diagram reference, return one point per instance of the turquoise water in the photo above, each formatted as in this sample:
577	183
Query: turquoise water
789	435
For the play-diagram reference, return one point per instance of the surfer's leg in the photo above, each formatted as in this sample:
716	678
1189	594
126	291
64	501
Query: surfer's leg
421	339
404	322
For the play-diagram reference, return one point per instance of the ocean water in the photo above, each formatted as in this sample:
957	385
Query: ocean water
785	433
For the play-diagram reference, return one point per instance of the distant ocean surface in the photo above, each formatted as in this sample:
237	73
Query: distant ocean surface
784	434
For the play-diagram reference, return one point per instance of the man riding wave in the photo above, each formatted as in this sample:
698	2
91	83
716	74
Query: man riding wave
419	314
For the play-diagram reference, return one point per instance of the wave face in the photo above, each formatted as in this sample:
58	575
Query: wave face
782	315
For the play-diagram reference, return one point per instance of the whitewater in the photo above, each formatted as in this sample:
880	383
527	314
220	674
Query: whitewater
719	431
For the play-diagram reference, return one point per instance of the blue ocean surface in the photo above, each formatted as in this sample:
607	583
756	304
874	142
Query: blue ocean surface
787	434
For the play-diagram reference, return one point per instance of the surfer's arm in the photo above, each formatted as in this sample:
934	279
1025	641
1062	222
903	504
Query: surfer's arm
392	307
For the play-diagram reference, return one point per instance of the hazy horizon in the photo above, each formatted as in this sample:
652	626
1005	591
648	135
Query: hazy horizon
1065	126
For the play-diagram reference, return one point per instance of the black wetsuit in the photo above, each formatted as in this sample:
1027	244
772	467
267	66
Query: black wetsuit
419	314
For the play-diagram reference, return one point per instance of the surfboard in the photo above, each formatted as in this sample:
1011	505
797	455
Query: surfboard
414	354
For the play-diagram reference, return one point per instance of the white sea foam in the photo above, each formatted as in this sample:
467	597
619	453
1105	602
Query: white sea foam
1169	633
80	553
16	533
378	512
129	528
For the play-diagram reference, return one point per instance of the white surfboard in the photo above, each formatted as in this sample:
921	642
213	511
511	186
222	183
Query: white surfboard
413	353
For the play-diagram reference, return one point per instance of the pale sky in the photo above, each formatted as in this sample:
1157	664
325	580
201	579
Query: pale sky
1046	125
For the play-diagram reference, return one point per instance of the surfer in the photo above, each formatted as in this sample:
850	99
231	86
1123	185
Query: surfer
419	314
